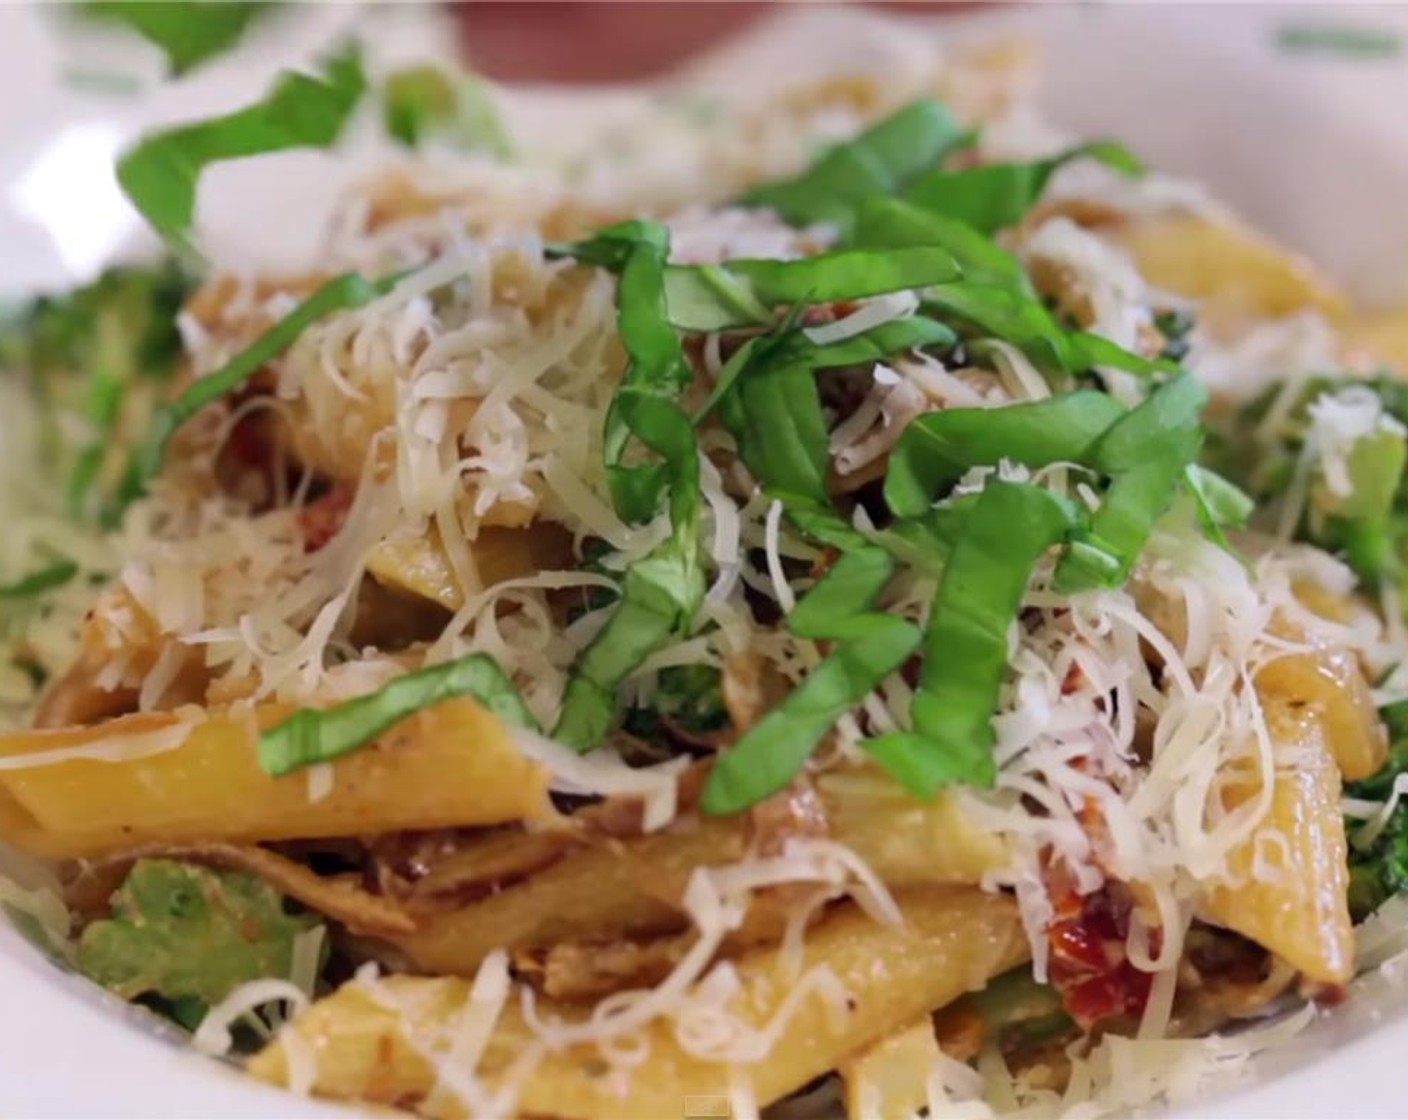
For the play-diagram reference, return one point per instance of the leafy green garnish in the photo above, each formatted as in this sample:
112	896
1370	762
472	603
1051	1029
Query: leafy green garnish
96	359
161	173
994	298
881	160
1004	534
419	102
188	32
686	697
342	293
36	583
774	412
742	292
996	195
1219	503
189	933
1378	869
313	735
938	447
660	594
1146	453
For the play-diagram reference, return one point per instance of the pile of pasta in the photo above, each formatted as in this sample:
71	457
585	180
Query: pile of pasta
428	477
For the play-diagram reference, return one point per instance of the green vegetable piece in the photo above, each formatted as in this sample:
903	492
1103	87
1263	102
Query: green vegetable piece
1375	469
880	160
661	594
775	415
938	447
1378	868
343	293
95	358
965	650
37	583
186	932
312	735
871	647
744	292
1219	503
997	195
188	32
419	102
161	173
1146	453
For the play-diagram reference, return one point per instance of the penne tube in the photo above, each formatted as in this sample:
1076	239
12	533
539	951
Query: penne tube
1331	682
163	778
1293	876
891	1077
633	888
381	1042
418	564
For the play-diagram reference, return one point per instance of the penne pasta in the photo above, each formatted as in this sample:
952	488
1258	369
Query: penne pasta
418	564
891	1077
1234	272
449	765
1331	683
633	888
1292	877
375	1042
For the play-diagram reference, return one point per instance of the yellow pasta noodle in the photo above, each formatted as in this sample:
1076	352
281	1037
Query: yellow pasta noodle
951	942
633	888
1292	898
453	764
891	1077
1237	273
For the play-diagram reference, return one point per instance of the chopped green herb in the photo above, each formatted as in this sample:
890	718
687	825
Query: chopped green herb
687	697
1218	501
965	651
188	32
1176	326
311	735
1146	453
184	932
342	293
938	447
421	102
744	292
881	160
660	594
161	173
36	583
996	195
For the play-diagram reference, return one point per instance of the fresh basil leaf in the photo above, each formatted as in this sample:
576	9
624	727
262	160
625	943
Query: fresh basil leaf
661	594
312	735
881	160
1145	453
965	651
1219	503
938	447
161	173
188	32
996	195
892	223
871	646
715	297
36	583
774	413
343	293
419	102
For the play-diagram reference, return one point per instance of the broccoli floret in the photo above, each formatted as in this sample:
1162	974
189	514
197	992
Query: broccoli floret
186	933
96	359
1380	870
689	699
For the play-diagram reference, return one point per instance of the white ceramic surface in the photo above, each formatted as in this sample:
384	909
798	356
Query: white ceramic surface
1314	148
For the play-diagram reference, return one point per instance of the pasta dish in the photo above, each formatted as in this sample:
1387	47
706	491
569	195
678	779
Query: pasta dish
851	603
